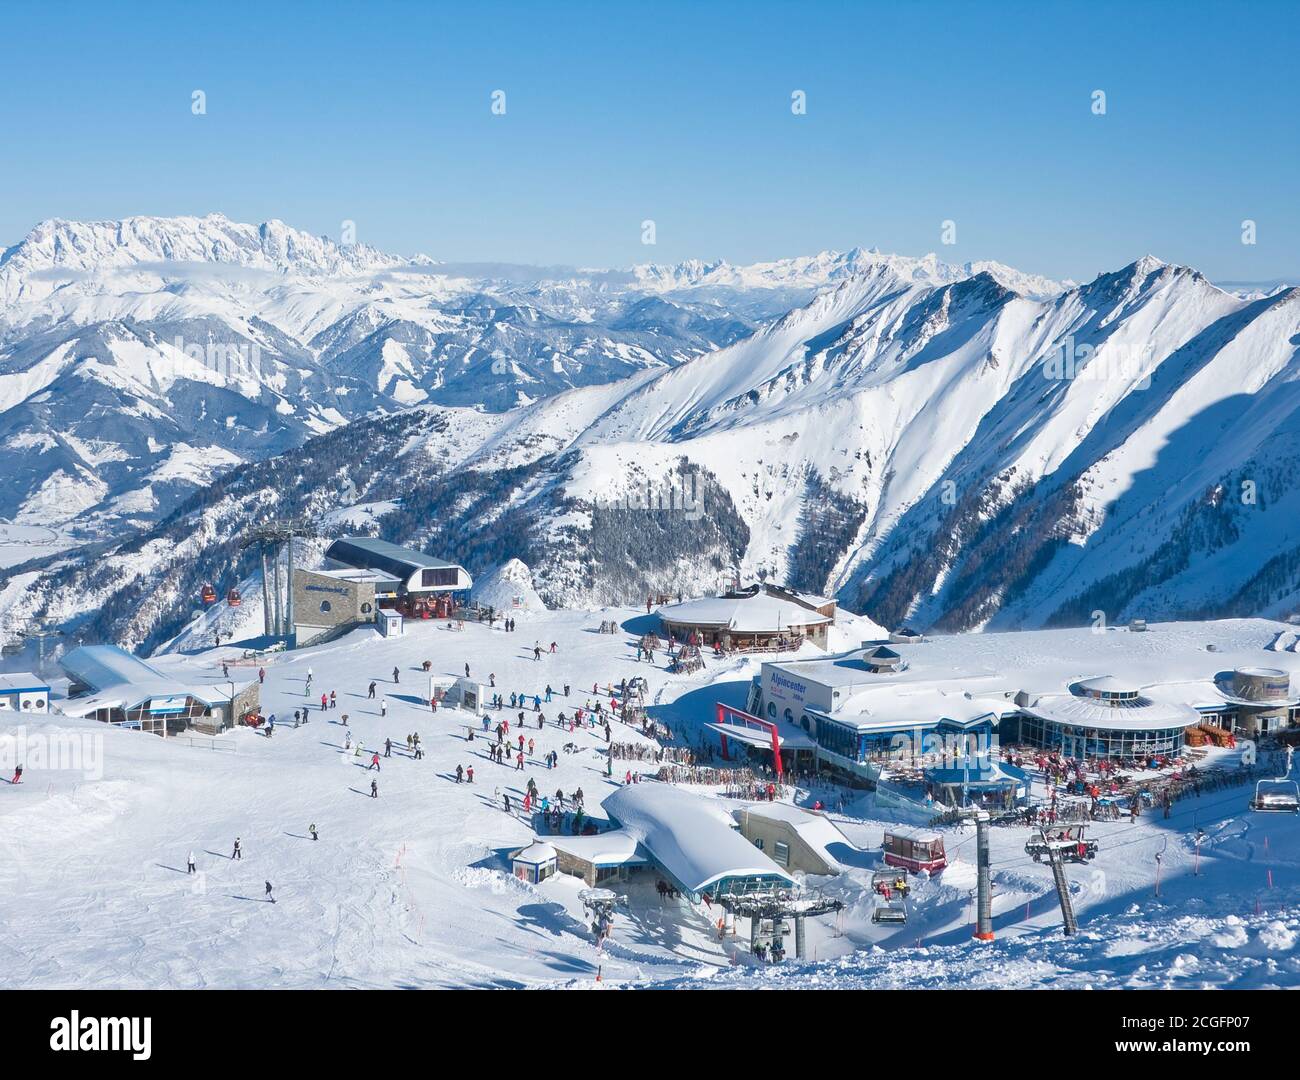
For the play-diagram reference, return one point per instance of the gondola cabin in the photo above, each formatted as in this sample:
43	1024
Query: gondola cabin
233	598
914	850
208	595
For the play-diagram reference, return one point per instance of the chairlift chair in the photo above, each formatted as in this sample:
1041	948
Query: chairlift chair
1279	796
1071	842
892	881
1276	797
890	911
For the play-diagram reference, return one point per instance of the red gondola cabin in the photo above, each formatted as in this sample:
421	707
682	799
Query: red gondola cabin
915	850
208	595
233	599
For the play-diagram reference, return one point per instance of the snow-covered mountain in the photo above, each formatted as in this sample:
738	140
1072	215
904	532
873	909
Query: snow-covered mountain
952	454
829	267
138	358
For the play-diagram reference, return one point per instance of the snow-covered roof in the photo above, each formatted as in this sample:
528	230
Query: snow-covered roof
757	614
916	835
359	575
816	830
692	838
1107	684
617	847
886	707
1169	663
102	666
119	680
538	853
12	682
1142	714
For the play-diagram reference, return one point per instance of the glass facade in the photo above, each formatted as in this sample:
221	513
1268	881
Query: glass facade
1074	741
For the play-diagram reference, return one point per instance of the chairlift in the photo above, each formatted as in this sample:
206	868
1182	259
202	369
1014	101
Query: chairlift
1276	797
1279	796
1071	842
890	911
890	883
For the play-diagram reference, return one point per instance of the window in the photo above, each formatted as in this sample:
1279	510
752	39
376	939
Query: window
781	854
771	709
324	605
758	842
440	577
365	609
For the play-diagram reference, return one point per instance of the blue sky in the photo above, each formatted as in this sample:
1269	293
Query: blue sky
979	113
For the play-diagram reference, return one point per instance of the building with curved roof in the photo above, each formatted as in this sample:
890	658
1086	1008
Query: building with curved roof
1106	717
754	618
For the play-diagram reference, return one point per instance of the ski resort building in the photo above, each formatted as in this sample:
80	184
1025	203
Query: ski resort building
326	602
416	584
109	684
1121	693
600	858
692	842
795	839
759	617
23	692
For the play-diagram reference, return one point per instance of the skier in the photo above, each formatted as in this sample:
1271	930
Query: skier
396	673
18	775
467	671
261	675
268	893
374	762
383	706
492	679
225	670
238	853
469	774
334	700
371	695
552	647
374	789
324	702
312	829
189	864
388	747
460	774
345	718
537	652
